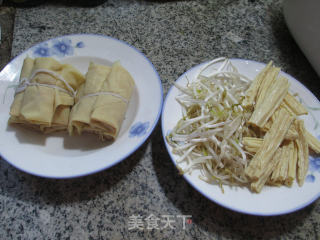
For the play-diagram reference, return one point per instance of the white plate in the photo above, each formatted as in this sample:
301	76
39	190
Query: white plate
272	200
62	156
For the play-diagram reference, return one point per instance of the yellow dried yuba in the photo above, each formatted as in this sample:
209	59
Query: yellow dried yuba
292	133
303	152
272	100
253	90
294	105
252	144
292	167
266	84
274	108
270	144
257	185
280	173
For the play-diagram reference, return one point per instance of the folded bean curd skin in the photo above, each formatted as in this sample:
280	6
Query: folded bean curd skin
45	108
102	114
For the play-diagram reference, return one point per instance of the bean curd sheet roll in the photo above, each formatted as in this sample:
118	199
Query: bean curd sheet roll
45	94
102	101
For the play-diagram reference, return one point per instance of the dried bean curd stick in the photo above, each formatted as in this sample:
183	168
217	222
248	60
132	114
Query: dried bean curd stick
303	153
252	144
271	142
292	133
270	166
275	95
280	173
266	85
294	105
292	168
252	92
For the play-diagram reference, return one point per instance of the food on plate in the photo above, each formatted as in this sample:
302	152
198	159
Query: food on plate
45	94
102	101
209	135
241	132
53	97
270	144
293	105
269	102
303	152
279	175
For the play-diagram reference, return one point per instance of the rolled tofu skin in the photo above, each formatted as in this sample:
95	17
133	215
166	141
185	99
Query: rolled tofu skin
45	105
81	112
109	111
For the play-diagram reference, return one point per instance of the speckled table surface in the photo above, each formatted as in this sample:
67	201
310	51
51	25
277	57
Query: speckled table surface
174	35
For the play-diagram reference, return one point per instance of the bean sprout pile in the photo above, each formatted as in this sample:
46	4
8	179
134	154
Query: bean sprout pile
209	135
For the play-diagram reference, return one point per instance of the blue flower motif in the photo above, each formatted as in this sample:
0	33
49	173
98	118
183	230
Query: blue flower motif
314	164
62	47
310	178
139	129
42	50
80	45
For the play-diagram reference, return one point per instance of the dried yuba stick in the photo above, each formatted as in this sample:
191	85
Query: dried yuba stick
271	142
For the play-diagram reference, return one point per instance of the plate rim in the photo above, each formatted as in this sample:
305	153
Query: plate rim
206	195
141	141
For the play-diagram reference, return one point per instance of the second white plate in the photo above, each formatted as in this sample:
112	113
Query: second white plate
272	200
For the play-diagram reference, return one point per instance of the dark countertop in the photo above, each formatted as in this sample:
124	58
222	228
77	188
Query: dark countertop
174	35
7	15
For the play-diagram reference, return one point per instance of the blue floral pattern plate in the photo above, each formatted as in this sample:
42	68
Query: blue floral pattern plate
59	155
272	200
